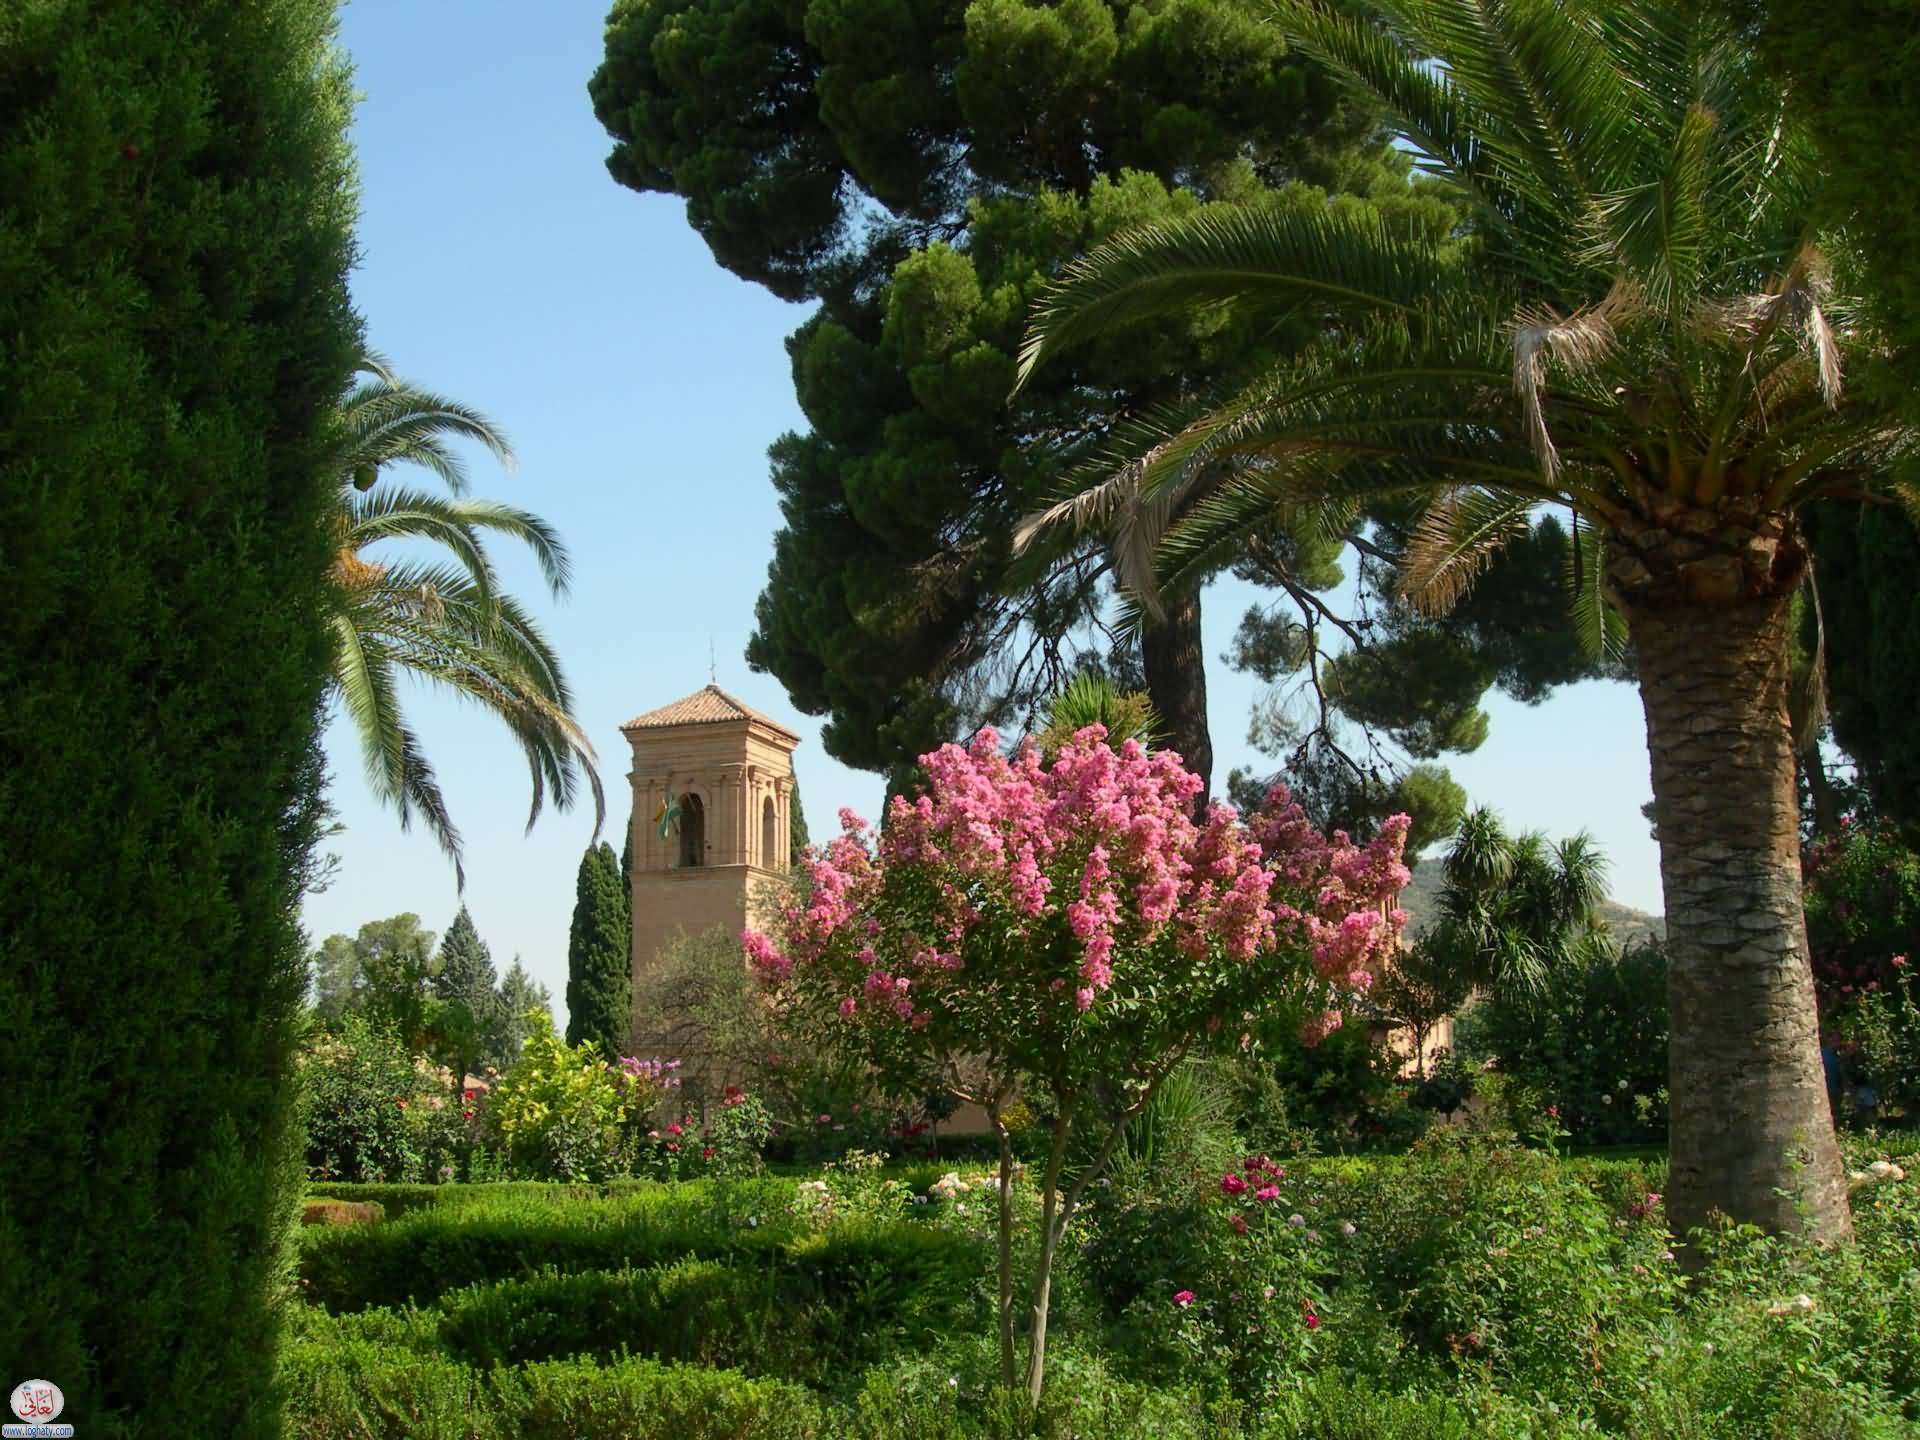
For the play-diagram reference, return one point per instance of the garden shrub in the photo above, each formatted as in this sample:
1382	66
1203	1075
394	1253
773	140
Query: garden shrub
421	1255
1458	1259
1863	927
560	1108
378	1113
1592	1043
812	1313
351	1389
176	219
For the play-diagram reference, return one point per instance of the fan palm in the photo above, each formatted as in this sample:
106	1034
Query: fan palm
446	623
1650	336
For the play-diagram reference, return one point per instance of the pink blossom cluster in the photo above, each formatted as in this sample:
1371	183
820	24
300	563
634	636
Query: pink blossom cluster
1351	923
1077	866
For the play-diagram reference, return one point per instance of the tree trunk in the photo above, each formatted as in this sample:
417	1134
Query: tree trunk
1004	1251
1175	660
1749	1113
1826	802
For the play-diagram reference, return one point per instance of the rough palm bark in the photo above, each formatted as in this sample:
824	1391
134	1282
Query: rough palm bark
1707	594
1173	655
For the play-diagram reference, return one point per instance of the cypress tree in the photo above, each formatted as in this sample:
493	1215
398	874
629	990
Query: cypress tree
797	825
176	211
599	974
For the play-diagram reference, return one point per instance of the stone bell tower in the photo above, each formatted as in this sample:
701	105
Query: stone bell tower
712	797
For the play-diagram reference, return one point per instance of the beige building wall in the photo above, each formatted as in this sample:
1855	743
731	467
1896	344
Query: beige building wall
731	767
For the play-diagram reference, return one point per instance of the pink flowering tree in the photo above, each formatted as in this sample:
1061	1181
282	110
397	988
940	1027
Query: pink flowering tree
1067	930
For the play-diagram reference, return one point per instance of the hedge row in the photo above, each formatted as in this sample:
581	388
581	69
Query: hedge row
362	1389
421	1256
812	1313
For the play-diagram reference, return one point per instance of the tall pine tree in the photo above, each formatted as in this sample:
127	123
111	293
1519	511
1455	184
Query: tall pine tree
466	984
599	971
520	994
465	972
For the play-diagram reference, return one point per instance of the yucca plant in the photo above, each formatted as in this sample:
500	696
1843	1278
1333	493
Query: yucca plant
446	623
1647	332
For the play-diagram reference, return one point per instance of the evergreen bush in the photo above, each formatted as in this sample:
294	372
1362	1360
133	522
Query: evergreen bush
176	211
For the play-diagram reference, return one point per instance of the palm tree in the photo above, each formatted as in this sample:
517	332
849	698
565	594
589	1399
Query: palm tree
447	623
1513	909
1648	335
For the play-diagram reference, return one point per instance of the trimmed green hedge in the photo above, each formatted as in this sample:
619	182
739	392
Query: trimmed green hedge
176	212
363	1390
812	1313
432	1250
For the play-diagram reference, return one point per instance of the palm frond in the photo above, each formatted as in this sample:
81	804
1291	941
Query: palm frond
1599	627
386	420
1338	261
1578	343
1457	536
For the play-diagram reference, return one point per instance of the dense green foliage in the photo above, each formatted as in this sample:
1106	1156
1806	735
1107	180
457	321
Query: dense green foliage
1465	1290
1863	924
175	228
445	1003
920	172
376	1111
465	981
1851	72
1869	628
1590	1041
599	956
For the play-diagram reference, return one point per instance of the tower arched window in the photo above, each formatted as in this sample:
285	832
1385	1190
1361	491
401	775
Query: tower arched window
769	835
693	830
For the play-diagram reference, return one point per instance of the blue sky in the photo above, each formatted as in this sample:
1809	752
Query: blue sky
641	385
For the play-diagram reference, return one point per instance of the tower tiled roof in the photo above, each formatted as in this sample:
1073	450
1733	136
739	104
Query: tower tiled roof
708	706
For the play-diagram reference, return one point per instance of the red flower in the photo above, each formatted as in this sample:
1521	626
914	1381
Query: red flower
466	1114
1313	1321
1232	1185
1239	1224
707	1154
1183	1298
401	1101
674	1128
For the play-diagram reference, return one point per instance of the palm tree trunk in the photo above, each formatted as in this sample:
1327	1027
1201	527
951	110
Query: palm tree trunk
1175	660
1749	1113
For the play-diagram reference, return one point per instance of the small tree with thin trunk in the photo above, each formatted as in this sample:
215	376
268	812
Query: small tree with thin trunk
1065	929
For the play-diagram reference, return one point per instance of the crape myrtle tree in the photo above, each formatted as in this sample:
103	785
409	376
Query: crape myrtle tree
1655	348
920	171
176	212
1065	929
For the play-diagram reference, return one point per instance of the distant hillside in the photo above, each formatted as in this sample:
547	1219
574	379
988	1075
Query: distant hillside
1421	899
